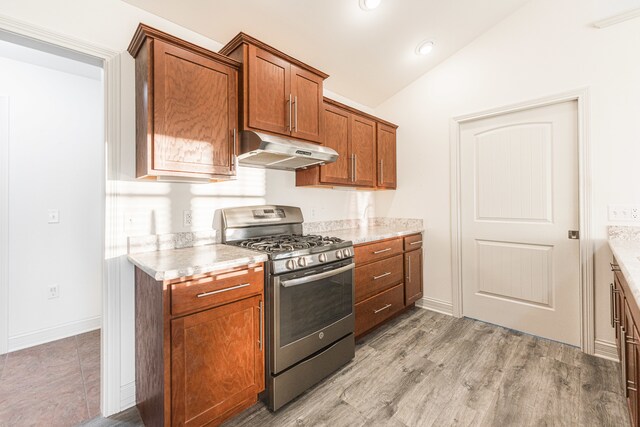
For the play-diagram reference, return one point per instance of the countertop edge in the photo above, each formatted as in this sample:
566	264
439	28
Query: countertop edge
624	268
384	236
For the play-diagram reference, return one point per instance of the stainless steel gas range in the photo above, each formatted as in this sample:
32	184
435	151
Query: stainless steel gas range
309	293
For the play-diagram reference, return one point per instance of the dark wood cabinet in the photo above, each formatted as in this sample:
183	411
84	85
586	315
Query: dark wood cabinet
386	147
625	316
199	346
388	279
281	94
186	108
366	147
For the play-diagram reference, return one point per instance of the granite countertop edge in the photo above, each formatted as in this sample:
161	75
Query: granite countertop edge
626	253
367	235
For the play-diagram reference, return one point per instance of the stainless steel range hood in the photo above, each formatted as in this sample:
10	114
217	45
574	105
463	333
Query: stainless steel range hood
262	150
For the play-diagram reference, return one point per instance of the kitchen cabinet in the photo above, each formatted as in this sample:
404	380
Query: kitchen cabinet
281	95
625	316
413	268
388	279
386	150
199	346
186	109
366	147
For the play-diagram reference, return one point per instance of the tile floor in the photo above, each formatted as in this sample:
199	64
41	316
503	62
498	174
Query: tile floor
53	384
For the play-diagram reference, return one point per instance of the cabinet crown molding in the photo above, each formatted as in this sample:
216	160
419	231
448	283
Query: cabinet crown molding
358	112
243	38
143	31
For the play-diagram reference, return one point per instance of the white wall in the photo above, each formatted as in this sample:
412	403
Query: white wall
56	156
545	48
157	207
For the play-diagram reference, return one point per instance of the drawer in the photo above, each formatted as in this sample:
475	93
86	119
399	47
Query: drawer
373	278
376	251
216	289
376	310
413	242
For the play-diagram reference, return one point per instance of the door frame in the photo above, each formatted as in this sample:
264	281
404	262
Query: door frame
110	363
581	96
4	224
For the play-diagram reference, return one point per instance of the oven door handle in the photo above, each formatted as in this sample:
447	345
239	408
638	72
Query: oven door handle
307	279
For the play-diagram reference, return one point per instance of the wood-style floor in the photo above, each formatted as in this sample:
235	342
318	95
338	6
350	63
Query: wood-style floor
53	384
428	369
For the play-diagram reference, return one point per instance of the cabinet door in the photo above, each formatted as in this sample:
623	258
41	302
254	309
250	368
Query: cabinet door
306	89
629	361
269	92
386	156
363	143
412	276
217	361
337	133
195	112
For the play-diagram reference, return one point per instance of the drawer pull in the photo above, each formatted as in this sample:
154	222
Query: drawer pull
417	242
381	309
381	251
388	273
233	288
614	267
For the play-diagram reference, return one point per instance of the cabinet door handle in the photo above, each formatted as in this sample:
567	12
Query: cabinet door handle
219	291
623	361
381	172
381	309
289	108
234	159
409	268
261	327
355	168
381	251
417	242
611	305
295	113
388	273
614	267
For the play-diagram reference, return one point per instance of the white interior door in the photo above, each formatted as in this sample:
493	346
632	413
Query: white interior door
519	199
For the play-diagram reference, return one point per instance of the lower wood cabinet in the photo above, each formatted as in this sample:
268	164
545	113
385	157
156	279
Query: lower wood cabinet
625	316
388	279
205	364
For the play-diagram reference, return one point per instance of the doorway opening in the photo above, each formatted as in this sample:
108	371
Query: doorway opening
52	221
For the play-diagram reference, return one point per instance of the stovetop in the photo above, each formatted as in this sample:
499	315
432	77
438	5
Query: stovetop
287	242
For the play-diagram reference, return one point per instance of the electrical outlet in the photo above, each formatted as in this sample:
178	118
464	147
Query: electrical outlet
187	218
624	213
54	291
53	216
635	213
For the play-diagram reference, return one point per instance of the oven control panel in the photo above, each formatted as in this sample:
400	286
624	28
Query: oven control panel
268	213
311	260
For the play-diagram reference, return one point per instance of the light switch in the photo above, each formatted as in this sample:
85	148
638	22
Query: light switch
53	216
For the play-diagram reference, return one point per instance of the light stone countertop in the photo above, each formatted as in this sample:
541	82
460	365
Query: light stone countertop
371	234
174	263
627	253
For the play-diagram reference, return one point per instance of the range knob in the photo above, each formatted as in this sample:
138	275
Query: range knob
290	264
339	254
322	258
346	253
302	262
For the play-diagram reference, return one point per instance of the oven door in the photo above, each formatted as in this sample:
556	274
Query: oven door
313	308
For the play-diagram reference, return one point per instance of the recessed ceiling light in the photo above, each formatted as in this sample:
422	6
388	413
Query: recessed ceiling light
369	4
424	48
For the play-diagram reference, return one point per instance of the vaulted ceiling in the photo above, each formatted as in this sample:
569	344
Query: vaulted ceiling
369	55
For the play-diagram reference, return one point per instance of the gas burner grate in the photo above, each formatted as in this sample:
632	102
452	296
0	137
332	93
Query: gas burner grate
287	242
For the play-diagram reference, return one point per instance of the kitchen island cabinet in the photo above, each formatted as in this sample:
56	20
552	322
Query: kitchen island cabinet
199	345
186	109
281	95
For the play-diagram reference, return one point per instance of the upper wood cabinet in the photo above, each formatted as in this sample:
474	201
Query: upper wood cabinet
366	147
386	147
186	108
281	94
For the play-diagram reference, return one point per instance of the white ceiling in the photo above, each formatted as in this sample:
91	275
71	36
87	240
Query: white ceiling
368	55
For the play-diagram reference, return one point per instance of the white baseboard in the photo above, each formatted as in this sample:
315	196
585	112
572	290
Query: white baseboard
606	350
127	395
435	304
42	336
